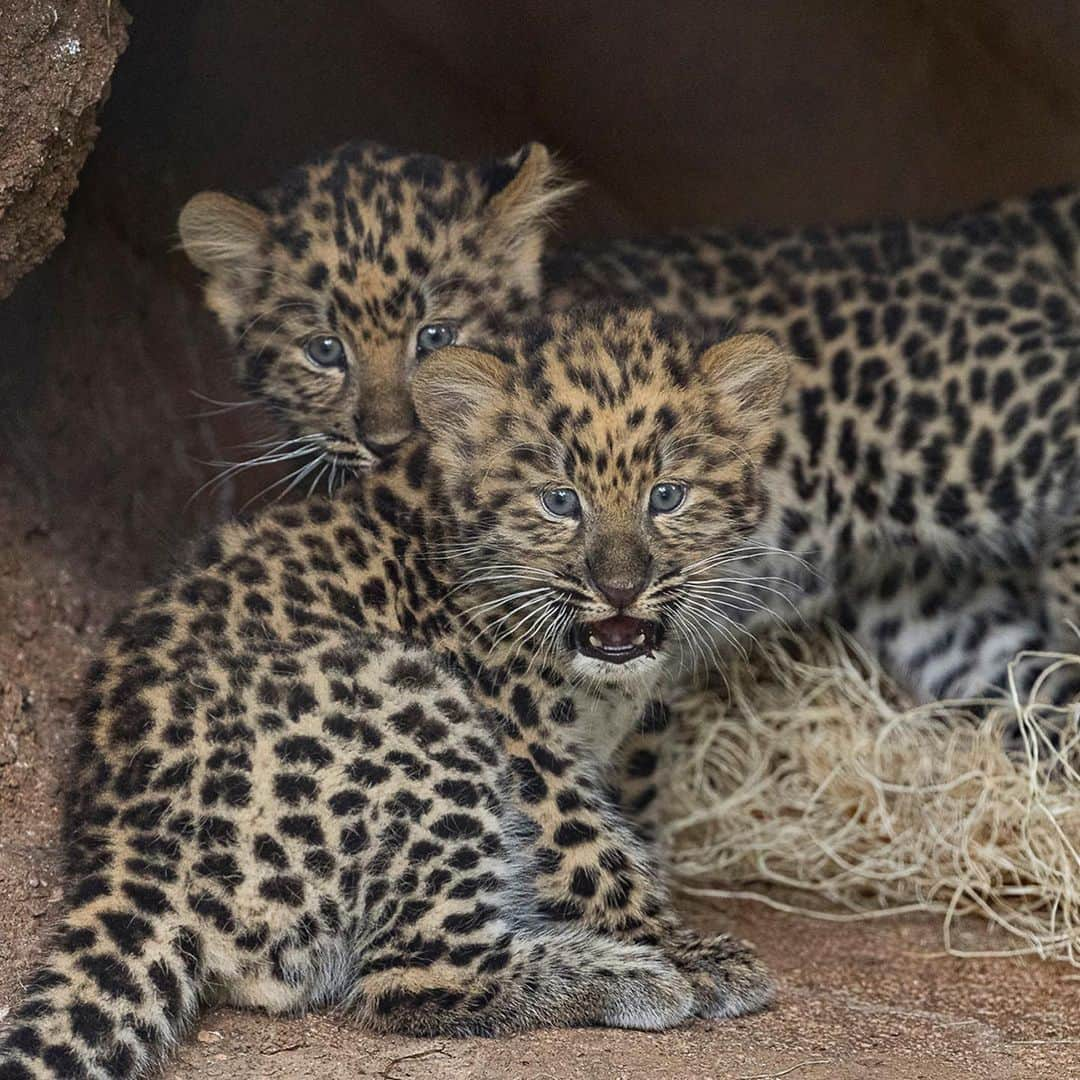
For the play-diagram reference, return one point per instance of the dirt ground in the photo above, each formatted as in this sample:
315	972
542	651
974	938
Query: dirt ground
856	1000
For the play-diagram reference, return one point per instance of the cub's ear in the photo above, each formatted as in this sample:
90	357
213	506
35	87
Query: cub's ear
453	385
524	189
750	368
221	235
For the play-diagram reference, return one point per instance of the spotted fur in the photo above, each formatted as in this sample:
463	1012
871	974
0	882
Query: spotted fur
926	464
369	246
929	450
347	758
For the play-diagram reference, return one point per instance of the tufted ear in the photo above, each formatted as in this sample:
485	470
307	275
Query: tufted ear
525	188
222	235
751	369
453	385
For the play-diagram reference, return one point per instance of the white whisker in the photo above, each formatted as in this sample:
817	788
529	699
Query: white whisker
297	477
318	477
499	601
713	618
516	626
279	452
720	585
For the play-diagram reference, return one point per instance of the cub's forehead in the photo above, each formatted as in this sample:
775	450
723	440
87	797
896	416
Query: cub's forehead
367	220
362	183
609	397
603	370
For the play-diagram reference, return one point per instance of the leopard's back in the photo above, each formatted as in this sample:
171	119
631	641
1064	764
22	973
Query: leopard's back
269	742
927	465
937	396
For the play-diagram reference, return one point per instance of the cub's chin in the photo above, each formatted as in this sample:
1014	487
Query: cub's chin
351	457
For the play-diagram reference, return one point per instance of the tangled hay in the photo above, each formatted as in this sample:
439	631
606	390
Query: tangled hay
812	773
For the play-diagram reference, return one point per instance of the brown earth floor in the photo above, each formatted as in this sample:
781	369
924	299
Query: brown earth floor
856	1000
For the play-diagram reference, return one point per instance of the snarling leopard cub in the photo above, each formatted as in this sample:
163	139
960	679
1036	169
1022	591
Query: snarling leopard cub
927	462
357	754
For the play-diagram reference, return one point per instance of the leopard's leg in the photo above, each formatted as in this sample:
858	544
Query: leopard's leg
1062	583
637	769
951	630
127	972
452	938
592	868
509	979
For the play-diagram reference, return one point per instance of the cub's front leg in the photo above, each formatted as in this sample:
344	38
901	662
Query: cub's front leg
636	774
592	867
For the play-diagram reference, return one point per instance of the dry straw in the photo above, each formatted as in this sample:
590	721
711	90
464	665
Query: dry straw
813	774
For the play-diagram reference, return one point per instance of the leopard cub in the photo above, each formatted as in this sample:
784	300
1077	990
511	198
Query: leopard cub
359	752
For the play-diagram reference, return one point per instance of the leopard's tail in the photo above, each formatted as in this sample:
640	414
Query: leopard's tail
120	985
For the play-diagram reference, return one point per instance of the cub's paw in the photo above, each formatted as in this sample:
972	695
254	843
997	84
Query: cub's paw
648	992
728	978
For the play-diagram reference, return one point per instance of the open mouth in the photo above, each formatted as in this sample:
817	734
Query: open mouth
618	639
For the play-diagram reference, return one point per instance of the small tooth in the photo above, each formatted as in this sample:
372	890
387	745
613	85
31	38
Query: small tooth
594	641
640	639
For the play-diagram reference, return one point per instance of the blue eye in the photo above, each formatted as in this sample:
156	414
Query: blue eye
666	497
325	351
435	336
562	502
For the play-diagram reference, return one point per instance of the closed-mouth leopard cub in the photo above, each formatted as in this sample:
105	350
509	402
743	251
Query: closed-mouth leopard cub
926	466
358	266
358	753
